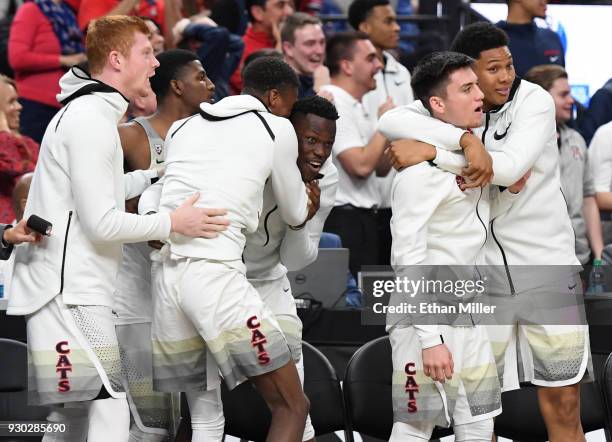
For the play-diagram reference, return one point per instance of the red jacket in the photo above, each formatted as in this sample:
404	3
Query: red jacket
253	42
34	54
18	155
92	9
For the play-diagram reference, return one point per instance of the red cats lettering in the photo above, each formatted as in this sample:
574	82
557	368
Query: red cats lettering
258	339
411	386
63	366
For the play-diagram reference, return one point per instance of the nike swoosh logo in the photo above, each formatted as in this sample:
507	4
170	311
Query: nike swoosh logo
285	290
554	59
572	287
500	136
158	162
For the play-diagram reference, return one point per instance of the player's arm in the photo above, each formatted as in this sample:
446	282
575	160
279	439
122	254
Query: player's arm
137	157
416	196
289	190
92	176
532	129
301	247
135	145
408	124
414	122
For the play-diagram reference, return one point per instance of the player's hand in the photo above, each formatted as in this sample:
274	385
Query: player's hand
193	221
314	198
386	106
479	171
438	363
20	233
520	184
406	153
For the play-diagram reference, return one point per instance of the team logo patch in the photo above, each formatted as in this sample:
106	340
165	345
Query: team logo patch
258	339
158	148
577	153
63	366
411	387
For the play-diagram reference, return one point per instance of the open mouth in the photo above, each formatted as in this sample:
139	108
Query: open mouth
315	166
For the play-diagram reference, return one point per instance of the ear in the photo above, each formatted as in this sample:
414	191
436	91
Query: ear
176	86
22	203
437	104
287	49
364	26
346	66
274	98
257	12
116	60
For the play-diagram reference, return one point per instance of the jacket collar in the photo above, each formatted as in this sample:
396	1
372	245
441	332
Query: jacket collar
77	83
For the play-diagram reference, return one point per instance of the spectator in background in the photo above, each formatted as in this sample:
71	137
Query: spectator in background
530	45
303	44
20	194
18	153
600	162
266	17
156	37
377	19
44	41
92	9
598	113
219	50
358	149
576	178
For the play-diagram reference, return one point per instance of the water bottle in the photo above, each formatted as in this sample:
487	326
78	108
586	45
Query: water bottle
596	278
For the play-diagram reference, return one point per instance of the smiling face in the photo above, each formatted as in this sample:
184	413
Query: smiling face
564	103
316	136
495	71
307	51
10	105
138	66
364	65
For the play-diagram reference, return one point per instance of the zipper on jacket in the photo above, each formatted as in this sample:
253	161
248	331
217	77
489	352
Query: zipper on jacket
484	133
512	291
64	251
266	225
480	219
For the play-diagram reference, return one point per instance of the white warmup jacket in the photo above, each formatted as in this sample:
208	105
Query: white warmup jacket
79	186
275	248
227	152
520	135
434	223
